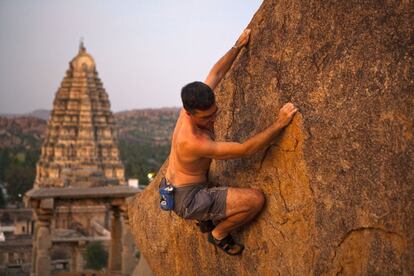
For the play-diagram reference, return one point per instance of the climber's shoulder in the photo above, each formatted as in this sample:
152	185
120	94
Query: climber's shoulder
192	139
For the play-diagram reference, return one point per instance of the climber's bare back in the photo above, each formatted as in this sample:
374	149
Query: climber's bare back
184	167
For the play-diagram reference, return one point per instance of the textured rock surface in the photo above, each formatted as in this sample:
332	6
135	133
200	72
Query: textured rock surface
339	180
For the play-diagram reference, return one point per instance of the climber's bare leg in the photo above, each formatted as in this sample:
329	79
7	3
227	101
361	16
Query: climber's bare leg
242	205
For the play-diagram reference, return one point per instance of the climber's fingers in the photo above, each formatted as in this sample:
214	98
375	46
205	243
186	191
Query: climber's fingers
288	107
291	112
243	39
293	109
286	114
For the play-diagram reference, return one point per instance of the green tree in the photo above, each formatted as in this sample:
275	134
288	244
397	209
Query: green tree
142	158
2	199
4	162
19	179
96	257
32	156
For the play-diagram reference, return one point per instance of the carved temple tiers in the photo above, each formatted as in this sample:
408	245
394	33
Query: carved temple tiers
79	194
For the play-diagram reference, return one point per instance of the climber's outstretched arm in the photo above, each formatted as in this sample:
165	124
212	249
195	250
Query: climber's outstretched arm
231	150
223	65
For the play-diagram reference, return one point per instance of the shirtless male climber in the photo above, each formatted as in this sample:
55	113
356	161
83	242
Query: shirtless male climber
193	148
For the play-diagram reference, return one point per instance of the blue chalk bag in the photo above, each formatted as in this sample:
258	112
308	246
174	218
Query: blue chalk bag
166	195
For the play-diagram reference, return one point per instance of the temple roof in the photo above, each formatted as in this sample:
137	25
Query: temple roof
115	191
83	59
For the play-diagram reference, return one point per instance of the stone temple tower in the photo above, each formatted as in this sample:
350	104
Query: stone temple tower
80	149
79	194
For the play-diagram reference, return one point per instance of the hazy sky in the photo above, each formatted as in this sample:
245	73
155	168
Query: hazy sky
145	51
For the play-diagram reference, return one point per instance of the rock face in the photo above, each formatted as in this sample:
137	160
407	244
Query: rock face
339	180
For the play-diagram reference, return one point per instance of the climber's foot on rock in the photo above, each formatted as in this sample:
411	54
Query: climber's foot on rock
206	225
228	244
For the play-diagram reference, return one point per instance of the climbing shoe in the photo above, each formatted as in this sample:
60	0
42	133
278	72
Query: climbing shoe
228	244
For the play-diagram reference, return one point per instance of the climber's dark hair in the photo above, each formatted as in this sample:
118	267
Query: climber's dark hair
197	95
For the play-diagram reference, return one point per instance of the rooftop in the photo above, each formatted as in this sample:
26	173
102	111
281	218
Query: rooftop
110	191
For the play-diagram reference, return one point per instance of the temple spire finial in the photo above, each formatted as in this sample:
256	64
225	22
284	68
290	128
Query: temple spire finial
82	48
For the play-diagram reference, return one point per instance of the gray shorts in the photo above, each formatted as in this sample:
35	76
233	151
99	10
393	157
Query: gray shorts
197	201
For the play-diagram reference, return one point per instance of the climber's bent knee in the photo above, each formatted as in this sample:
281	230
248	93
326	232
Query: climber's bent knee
244	200
257	199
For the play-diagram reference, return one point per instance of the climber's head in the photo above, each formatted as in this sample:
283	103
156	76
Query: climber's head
199	103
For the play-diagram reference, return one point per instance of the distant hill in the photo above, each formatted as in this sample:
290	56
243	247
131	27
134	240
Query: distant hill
38	113
152	126
22	132
144	139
